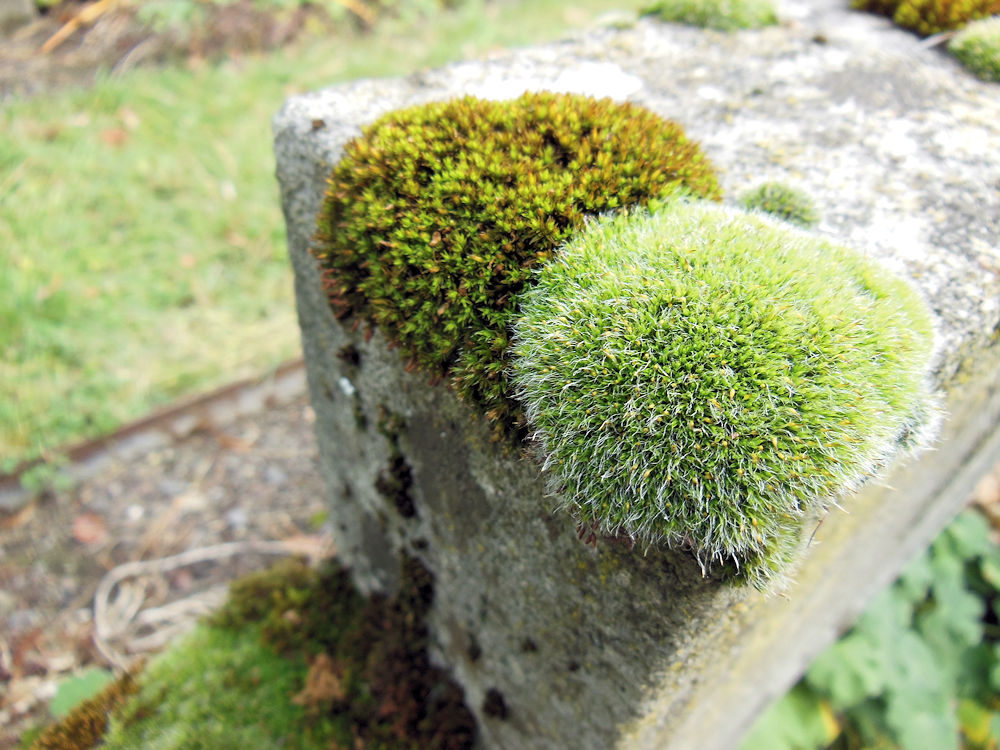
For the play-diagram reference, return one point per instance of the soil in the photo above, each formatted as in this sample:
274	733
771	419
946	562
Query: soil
117	40
253	479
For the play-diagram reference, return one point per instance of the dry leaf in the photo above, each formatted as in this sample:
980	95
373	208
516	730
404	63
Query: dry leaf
114	136
17	519
323	684
89	528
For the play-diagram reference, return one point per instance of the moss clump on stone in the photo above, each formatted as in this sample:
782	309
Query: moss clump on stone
928	17
710	378
783	202
724	15
977	47
436	216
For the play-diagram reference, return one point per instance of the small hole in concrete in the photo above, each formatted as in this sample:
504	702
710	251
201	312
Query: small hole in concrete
494	704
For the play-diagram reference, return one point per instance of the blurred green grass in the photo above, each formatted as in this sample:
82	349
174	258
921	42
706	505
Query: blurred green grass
141	235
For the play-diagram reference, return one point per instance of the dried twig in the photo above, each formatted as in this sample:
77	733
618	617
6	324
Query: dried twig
85	17
113	616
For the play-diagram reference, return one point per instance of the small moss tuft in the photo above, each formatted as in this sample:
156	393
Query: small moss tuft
783	202
977	47
436	216
86	724
709	378
724	15
928	17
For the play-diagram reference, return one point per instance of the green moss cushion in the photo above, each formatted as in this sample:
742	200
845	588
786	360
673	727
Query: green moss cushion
928	17
436	216
707	377
783	202
723	15
977	47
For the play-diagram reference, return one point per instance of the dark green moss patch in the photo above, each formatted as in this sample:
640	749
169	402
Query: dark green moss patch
436	216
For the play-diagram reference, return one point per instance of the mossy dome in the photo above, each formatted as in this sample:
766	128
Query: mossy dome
437	214
928	17
977	47
708	377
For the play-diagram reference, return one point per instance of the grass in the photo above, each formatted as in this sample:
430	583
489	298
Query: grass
140	229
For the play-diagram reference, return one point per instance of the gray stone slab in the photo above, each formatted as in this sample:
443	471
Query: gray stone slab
606	647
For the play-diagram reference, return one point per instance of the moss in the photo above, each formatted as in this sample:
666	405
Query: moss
217	689
286	601
436	216
977	47
928	17
710	378
724	15
296	658
783	202
86	724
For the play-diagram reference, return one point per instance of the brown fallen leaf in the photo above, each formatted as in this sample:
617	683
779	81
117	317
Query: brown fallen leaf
114	136
18	518
90	528
323	685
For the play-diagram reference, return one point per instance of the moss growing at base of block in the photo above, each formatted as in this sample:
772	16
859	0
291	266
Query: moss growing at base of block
723	15
710	378
217	690
782	202
296	658
436	216
928	17
977	47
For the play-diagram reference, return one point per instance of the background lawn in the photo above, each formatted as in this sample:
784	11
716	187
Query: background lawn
141	233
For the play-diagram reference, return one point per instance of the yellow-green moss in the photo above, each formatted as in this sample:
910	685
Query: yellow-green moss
782	201
928	17
436	216
723	15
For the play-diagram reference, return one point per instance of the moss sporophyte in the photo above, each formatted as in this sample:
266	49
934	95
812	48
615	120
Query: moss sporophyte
711	378
437	215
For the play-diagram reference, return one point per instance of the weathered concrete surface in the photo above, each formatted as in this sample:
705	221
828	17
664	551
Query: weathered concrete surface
606	647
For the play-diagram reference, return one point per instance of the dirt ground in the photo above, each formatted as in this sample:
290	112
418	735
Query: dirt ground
60	50
254	479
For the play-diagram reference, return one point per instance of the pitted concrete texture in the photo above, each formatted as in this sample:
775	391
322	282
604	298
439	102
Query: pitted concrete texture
599	647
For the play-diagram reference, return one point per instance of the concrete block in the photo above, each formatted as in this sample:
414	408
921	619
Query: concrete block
559	644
